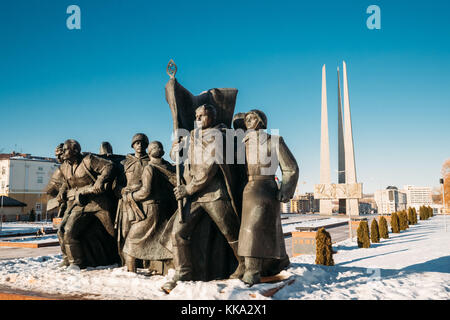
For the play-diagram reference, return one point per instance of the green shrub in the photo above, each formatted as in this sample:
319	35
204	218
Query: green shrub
422	213
363	235
403	220
430	211
415	215
324	250
374	232
411	217
32	216
395	223
384	232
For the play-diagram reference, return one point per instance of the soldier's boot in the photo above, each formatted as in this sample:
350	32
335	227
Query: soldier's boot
239	272
64	262
182	262
75	255
252	273
272	267
65	259
130	262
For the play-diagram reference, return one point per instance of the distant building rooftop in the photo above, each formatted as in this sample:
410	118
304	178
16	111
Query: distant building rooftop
25	156
10	202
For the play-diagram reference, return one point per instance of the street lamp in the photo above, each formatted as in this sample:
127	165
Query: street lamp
443	203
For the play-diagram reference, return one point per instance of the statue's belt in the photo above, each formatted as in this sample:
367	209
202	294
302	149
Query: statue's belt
261	177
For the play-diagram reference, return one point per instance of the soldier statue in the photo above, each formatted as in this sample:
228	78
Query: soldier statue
85	177
129	211
261	239
206	190
157	200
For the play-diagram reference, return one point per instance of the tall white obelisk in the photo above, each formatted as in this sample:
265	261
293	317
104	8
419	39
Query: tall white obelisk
341	146
352	207
325	177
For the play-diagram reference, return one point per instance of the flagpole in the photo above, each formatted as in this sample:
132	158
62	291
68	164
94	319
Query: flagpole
171	71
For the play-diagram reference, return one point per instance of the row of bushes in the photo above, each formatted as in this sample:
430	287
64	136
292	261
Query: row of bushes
399	221
376	233
425	212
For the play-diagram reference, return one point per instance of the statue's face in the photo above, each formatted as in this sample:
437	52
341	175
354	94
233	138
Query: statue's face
251	122
68	153
156	150
203	119
139	147
59	154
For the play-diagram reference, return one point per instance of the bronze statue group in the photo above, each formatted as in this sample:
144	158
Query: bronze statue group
208	219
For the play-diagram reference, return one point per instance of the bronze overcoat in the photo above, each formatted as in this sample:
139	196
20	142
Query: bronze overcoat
158	204
84	174
131	180
261	235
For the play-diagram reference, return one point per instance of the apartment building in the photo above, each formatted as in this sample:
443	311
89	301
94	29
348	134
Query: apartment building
390	200
23	177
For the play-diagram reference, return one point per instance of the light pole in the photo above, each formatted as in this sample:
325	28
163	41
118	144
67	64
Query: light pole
443	203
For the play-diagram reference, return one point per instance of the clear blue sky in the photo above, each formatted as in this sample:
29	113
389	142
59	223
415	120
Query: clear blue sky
106	81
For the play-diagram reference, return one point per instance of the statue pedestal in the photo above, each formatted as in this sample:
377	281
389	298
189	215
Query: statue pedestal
326	207
303	242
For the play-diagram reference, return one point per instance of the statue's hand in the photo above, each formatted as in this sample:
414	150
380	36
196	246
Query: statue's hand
180	192
129	197
282	197
98	187
124	192
176	146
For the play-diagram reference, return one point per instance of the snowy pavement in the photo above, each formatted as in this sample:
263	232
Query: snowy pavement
8	228
32	239
412	265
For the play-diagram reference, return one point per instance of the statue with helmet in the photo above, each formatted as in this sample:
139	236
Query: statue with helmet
130	180
156	200
261	239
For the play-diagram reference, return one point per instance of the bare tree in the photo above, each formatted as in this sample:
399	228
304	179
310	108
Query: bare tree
446	176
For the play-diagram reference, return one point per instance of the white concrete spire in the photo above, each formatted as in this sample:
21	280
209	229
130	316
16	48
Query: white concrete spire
350	168
325	177
324	139
341	147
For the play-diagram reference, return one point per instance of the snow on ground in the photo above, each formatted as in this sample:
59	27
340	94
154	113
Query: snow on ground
38	239
8	228
414	264
289	227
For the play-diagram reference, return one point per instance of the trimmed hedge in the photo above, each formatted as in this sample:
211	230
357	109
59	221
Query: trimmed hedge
384	231
363	235
374	232
395	223
324	250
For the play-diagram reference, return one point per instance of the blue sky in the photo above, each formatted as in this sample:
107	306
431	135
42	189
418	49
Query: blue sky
106	81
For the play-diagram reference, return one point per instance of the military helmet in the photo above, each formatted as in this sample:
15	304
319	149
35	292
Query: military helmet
139	137
260	115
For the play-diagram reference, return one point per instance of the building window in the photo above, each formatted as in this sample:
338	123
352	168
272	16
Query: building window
40	168
40	179
3	170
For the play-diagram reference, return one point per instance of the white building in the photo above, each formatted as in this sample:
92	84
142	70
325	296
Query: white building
24	177
418	196
286	207
390	200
